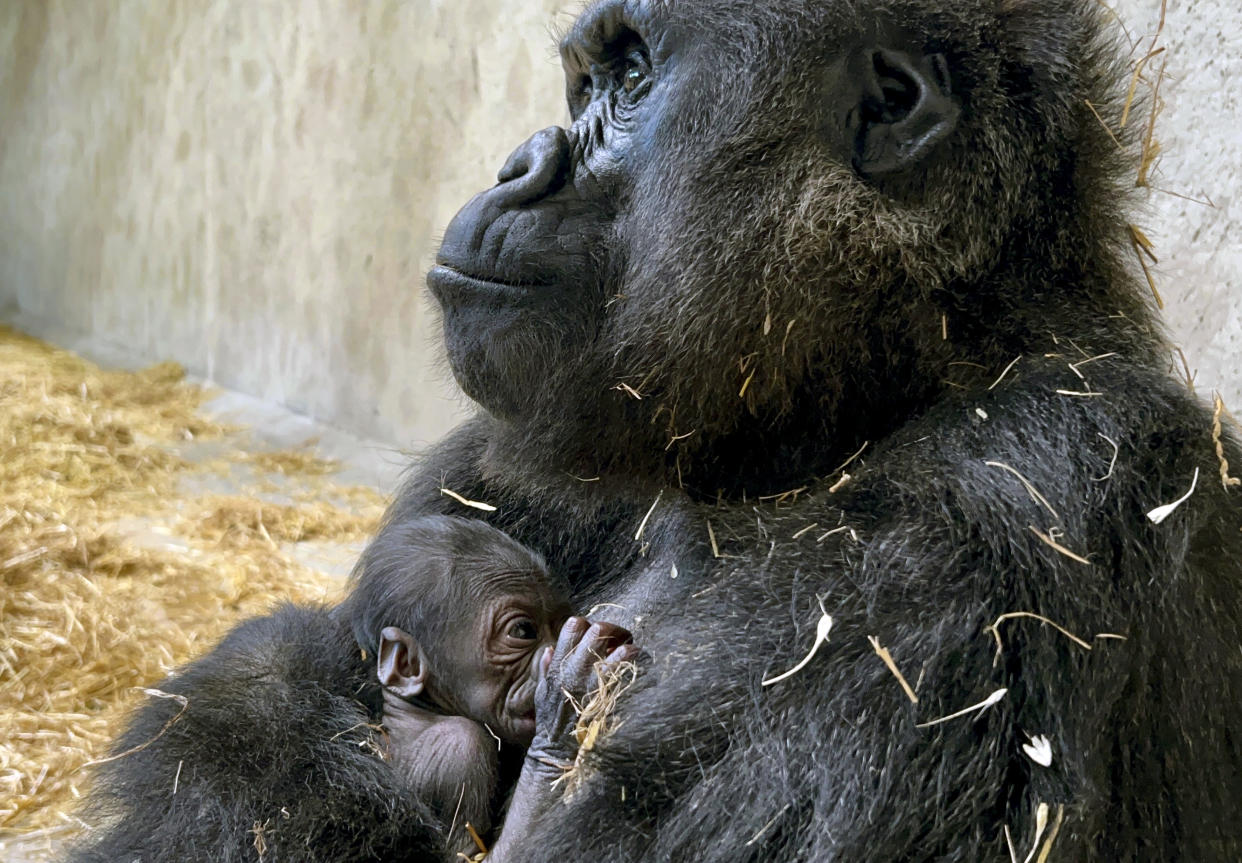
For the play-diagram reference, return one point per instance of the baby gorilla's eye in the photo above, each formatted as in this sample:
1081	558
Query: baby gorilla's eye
523	630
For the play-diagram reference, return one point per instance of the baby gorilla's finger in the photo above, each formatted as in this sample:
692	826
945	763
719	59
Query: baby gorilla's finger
624	653
578	671
570	637
551	666
544	662
608	638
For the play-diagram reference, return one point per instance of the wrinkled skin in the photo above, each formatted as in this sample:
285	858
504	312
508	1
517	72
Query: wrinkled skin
786	242
487	670
444	741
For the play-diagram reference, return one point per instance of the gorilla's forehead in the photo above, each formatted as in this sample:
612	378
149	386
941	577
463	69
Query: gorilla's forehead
754	33
781	25
600	20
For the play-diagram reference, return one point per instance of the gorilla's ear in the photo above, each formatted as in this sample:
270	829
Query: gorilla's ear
401	666
902	107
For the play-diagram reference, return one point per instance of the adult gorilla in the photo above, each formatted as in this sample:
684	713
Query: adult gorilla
781	233
822	309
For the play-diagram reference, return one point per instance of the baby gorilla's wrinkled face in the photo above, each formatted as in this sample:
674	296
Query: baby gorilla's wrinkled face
489	673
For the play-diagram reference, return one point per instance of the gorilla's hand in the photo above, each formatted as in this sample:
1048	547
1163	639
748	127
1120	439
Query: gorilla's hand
568	674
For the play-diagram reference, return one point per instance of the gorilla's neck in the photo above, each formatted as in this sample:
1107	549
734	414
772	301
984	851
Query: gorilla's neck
761	453
937	345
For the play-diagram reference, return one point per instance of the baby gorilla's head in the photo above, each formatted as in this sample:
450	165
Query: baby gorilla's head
459	616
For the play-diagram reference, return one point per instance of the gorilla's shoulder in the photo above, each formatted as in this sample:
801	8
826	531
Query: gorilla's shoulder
1055	400
296	669
1096	435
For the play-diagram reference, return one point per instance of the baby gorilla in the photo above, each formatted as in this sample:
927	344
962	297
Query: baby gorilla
404	714
462	622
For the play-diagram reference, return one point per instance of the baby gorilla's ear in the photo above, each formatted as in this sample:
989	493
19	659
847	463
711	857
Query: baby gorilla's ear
402	666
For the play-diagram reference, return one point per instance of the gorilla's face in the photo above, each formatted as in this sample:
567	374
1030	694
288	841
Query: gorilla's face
698	251
527	268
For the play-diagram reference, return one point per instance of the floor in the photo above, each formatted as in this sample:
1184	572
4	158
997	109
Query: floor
269	427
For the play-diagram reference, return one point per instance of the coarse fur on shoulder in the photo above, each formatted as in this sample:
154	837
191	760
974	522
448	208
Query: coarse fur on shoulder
291	701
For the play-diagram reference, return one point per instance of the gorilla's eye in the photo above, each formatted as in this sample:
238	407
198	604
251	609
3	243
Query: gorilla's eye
634	73
523	630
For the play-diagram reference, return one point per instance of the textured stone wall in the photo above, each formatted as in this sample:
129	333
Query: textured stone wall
1200	134
254	187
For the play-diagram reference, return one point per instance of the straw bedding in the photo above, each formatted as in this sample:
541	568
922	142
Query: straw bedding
92	608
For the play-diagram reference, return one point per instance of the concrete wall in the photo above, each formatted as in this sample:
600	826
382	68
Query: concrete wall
254	187
1200	133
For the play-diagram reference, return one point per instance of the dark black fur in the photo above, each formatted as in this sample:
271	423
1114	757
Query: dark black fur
277	749
1144	731
732	241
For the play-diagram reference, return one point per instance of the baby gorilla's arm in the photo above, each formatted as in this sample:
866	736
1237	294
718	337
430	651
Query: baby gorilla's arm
451	764
567	673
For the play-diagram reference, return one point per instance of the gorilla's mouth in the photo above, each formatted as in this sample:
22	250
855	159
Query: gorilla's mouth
488	328
450	286
520	710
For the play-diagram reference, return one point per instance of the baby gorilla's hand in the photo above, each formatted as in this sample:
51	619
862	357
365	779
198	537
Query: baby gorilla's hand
567	675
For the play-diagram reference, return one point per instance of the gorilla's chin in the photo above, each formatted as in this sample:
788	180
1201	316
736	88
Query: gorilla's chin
487	337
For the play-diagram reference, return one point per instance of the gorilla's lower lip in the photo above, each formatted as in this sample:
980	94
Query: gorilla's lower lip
445	280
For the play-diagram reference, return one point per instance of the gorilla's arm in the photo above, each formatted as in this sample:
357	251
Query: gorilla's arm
585	654
264	746
831	764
